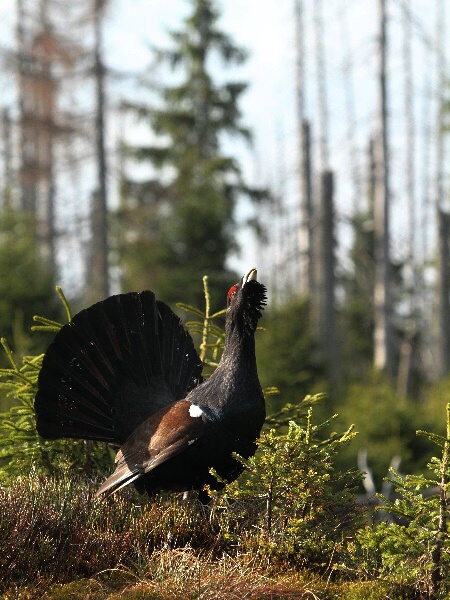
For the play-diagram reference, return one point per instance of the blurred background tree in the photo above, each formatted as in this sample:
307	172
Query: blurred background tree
181	222
27	286
288	355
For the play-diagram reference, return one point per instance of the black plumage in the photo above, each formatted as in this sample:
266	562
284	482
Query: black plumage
125	371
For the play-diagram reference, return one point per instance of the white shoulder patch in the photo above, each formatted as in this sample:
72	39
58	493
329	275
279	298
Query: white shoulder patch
195	411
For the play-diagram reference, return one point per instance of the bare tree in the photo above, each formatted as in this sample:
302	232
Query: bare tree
44	57
442	216
49	87
98	267
326	278
324	240
305	234
39	129
7	159
407	346
383	354
444	290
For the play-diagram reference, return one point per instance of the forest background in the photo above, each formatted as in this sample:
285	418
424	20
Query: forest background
128	163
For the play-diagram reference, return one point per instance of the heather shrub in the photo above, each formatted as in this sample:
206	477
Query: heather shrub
53	528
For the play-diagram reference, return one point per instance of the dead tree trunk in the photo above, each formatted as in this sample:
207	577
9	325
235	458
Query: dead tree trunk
444	291
38	50
371	177
322	98
443	333
347	73
383	353
7	160
407	346
99	274
27	139
305	234
326	279
306	231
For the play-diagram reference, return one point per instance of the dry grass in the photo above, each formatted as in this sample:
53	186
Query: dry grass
173	574
54	530
179	574
58	542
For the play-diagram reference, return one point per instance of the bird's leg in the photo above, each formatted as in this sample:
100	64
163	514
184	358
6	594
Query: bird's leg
203	500
189	495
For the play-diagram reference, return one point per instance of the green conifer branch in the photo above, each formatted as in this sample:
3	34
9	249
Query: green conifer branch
64	301
46	324
205	332
441	533
9	354
192	309
220	313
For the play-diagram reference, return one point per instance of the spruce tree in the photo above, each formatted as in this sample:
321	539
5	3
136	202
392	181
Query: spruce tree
180	224
27	283
358	309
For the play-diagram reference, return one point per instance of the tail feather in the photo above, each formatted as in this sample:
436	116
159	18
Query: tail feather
179	360
112	367
150	333
136	343
125	482
59	426
95	329
65	386
180	374
120	314
117	481
121	477
81	362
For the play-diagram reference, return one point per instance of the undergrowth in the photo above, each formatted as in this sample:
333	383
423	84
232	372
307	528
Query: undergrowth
289	527
64	543
56	531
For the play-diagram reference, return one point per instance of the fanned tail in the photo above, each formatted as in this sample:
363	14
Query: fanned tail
114	365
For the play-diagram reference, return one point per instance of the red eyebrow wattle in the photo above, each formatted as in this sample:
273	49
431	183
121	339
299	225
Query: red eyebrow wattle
231	291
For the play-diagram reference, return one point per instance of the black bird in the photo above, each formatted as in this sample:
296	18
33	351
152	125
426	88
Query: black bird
125	371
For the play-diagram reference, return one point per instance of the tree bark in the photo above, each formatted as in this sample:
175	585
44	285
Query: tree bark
383	352
305	233
444	291
327	316
27	143
7	160
306	230
98	283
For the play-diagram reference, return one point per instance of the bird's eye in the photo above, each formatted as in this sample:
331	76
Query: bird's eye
231	293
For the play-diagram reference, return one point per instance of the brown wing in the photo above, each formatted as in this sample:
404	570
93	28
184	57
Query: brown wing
165	434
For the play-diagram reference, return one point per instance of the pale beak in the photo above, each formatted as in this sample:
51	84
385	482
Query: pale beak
251	276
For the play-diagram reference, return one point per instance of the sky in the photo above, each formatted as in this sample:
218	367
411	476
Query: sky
266	29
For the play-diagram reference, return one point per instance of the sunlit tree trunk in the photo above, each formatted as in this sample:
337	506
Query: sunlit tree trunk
444	291
98	283
382	289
